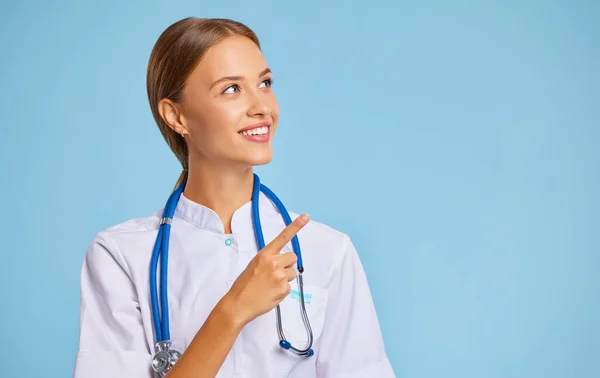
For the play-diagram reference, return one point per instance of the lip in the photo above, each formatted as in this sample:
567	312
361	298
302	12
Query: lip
254	126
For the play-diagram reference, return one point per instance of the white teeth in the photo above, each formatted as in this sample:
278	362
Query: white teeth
257	131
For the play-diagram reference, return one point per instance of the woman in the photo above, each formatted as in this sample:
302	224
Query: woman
210	92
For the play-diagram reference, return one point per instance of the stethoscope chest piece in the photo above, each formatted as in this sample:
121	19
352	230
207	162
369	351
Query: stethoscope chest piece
165	357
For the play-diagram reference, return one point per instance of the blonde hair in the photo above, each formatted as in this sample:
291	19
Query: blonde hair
174	56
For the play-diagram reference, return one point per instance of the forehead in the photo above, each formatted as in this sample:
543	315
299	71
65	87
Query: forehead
233	56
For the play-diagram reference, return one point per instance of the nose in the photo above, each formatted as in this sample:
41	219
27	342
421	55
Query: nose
258	105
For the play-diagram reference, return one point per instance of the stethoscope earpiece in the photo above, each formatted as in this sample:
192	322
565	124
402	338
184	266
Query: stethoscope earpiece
285	344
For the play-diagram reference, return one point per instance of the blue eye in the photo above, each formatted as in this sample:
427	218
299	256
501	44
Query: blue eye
228	89
269	82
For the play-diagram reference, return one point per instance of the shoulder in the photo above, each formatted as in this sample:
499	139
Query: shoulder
328	244
119	241
323	232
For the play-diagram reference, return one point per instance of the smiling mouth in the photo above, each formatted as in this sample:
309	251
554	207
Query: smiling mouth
258	134
256	131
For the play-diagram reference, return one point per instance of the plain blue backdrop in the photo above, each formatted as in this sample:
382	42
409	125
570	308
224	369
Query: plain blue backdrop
455	142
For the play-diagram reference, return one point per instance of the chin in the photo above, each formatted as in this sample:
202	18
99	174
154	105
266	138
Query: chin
259	158
253	157
260	161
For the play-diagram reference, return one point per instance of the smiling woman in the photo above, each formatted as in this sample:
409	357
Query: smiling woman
207	81
230	304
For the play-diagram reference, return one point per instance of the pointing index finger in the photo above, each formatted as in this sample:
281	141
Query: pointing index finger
287	234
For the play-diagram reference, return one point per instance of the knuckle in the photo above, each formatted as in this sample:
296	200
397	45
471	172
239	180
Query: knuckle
283	237
276	275
291	259
261	259
291	276
273	264
281	276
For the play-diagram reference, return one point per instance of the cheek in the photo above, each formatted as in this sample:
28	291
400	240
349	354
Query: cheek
215	121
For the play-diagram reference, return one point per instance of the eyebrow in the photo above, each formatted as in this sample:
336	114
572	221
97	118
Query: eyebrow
232	78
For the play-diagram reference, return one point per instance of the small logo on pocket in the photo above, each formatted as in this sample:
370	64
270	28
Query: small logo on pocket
295	294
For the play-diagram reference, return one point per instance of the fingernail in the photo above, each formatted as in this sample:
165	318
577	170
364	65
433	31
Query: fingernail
304	218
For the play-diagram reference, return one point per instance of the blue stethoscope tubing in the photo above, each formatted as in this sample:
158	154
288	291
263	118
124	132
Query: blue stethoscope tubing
160	316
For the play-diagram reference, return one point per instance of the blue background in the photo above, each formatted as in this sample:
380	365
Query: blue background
455	142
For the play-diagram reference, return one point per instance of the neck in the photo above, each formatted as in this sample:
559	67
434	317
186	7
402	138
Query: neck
221	188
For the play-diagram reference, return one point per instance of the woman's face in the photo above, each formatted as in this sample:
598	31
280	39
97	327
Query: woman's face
230	91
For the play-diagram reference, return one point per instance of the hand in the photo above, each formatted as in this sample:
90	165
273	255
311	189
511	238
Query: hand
265	281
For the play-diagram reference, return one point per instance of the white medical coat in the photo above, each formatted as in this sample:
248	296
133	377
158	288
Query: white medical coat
116	332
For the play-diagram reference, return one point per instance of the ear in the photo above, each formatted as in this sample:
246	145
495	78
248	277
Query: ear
170	113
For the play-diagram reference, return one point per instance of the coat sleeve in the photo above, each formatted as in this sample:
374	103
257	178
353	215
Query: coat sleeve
112	341
352	344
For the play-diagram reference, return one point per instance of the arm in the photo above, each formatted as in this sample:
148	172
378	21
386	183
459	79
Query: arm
209	348
351	345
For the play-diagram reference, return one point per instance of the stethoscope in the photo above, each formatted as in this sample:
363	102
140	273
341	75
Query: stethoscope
165	356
